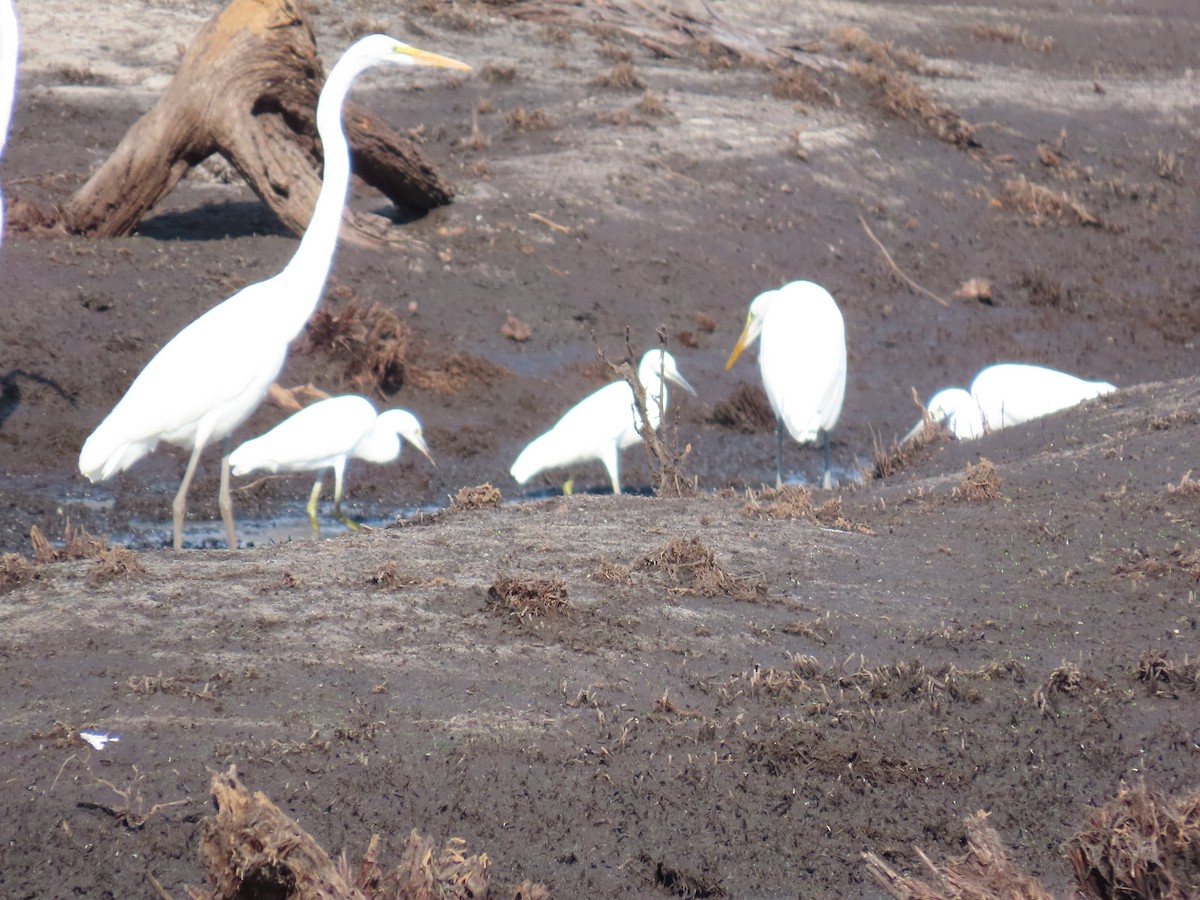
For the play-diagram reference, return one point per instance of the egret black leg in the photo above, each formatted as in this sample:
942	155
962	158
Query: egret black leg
778	452
828	478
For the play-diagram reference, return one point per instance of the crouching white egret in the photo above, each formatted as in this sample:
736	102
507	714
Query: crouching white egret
327	435
1008	394
803	362
603	424
211	376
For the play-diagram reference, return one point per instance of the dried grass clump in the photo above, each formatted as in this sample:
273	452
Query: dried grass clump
982	482
1040	204
613	572
688	563
455	373
528	598
371	343
521	119
623	76
114	562
1009	34
800	85
516	330
984	872
498	73
1187	486
78	543
481	496
896	93
1068	680
250	848
1166	678
651	104
16	570
886	53
746	409
795	502
1142	843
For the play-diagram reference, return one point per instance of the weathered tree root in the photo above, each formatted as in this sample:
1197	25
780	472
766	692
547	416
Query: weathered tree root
247	88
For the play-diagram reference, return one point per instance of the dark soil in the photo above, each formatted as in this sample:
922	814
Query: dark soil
728	695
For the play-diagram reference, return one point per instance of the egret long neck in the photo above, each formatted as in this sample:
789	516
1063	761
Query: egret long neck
314	256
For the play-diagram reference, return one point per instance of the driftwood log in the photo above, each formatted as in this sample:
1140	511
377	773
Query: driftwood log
247	89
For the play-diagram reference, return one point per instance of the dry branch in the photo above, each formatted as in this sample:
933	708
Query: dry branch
895	268
247	89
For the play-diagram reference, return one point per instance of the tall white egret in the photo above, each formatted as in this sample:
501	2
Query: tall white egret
803	362
603	424
1008	394
10	43
327	435
212	375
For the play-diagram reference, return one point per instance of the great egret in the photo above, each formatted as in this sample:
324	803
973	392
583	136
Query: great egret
1008	394
10	42
212	375
327	435
803	362
603	424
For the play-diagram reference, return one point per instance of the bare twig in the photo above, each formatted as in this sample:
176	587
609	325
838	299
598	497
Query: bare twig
895	268
561	229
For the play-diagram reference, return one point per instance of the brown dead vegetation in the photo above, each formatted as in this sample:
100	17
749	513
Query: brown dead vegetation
802	86
897	94
16	570
480	496
455	373
370	342
1068	680
984	872
528	598
516	330
1164	677
651	105
78	543
610	571
521	119
131	812
1040	204
623	76
114	562
982	482
251	849
884	53
691	568
746	409
390	578
796	502
1142	843
1009	34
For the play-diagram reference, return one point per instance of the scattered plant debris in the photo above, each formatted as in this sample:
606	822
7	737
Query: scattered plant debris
498	73
250	848
746	409
454	373
1166	678
984	871
795	502
800	85
982	482
855	39
623	76
1169	166
516	330
688	563
683	882
651	104
528	598
1040	204
132	811
371	342
614	572
1068	681
481	496
1187	487
899	95
1044	290
77	544
1007	33
1142	843
521	119
114	562
16	570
